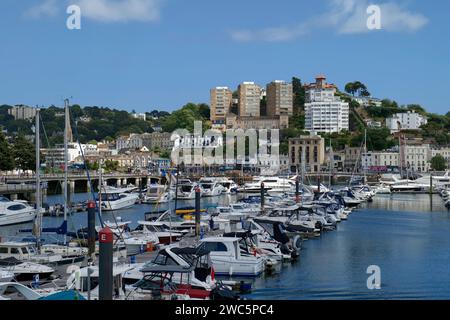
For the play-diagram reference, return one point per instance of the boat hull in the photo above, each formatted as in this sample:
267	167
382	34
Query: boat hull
19	218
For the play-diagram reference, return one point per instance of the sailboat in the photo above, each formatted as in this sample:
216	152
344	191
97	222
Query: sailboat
60	254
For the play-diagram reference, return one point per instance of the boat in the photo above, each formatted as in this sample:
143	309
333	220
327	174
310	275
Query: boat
15	212
160	230
229	186
27	251
201	273
134	243
210	187
228	260
185	190
113	199
157	193
272	184
78	281
177	223
178	282
26	293
6	276
25	270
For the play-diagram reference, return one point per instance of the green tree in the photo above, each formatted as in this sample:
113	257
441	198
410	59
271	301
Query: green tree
24	153
299	95
438	163
110	165
185	118
350	88
6	156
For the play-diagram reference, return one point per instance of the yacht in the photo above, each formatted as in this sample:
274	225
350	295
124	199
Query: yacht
157	193
25	270
27	251
177	223
201	275
158	229
6	276
210	187
116	199
186	190
228	185
134	243
272	184
15	212
228	260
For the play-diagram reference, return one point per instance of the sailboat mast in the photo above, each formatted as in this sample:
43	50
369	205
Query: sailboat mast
331	164
66	162
38	180
365	153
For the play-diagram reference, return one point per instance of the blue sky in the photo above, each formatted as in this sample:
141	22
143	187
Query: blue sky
147	54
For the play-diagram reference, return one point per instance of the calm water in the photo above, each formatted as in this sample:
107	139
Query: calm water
410	243
407	236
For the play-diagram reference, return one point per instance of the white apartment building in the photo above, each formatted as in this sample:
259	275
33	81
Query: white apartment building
54	157
324	111
221	100
21	112
133	141
249	99
279	98
405	121
415	158
141	116
379	159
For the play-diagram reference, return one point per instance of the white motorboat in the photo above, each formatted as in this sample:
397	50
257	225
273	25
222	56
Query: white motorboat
177	223
228	185
6	276
25	270
228	260
158	193
158	229
116	199
210	187
78	280
272	184
15	212
134	243
383	189
198	261
186	190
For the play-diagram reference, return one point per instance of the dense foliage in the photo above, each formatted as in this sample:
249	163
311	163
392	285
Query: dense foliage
438	163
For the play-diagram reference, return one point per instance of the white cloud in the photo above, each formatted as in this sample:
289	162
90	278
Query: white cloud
344	17
120	10
45	8
104	10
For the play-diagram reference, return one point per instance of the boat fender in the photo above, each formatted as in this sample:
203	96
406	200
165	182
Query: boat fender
297	242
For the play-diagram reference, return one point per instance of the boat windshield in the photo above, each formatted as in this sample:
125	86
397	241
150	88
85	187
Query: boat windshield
110	197
186	188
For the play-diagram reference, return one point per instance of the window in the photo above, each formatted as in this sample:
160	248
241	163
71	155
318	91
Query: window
16	207
14	251
3	250
215	246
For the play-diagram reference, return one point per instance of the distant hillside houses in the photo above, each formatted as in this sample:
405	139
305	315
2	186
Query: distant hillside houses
21	112
160	140
405	121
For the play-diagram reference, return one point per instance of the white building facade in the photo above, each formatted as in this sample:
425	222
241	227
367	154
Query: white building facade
324	111
405	121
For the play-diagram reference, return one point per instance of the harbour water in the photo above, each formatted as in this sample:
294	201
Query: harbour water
407	236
